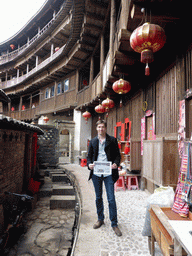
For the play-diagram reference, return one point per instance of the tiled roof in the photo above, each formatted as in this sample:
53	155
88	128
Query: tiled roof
3	96
10	123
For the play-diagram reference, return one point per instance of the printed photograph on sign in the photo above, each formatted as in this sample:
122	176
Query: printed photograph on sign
102	168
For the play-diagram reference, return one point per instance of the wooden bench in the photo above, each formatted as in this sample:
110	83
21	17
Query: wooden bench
162	231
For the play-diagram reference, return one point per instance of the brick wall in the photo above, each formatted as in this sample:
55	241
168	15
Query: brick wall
12	149
15	162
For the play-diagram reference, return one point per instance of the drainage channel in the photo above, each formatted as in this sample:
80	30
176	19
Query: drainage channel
78	211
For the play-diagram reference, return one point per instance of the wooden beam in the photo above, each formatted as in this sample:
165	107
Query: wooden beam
95	16
122	59
118	69
87	43
92	27
124	35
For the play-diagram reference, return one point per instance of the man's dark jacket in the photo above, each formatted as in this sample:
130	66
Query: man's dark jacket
111	150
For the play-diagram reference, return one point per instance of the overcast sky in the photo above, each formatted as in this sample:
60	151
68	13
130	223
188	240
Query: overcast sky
15	14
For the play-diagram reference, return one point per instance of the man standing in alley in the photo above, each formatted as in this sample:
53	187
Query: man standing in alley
104	148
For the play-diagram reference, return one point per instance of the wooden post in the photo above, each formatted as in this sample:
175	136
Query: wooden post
30	104
55	94
37	59
54	14
17	75
52	49
125	13
27	68
112	32
91	70
77	80
101	60
20	107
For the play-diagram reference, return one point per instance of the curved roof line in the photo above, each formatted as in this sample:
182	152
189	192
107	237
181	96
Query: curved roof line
43	7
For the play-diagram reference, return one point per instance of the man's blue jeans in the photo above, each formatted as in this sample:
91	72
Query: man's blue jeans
109	185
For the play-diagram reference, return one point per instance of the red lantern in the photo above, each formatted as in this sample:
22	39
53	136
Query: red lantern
121	87
45	119
147	39
86	115
12	46
99	109
107	104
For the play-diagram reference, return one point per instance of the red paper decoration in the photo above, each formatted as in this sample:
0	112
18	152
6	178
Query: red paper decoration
12	46
86	115
147	39
45	119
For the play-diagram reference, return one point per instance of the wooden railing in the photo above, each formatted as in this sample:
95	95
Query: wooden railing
21	79
65	99
96	87
26	114
10	56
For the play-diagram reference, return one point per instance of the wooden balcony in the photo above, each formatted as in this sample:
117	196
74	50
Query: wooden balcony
90	92
10	56
31	73
27	114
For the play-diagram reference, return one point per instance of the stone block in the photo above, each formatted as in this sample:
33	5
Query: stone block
62	202
56	172
63	190
45	192
60	178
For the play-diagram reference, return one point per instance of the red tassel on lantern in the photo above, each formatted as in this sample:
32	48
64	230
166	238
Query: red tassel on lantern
147	70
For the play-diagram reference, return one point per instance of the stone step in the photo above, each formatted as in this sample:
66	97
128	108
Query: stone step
45	192
63	190
60	178
62	202
58	172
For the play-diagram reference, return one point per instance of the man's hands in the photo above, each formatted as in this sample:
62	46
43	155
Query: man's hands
114	166
91	166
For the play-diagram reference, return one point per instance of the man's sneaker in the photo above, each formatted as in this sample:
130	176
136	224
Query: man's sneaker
117	231
98	224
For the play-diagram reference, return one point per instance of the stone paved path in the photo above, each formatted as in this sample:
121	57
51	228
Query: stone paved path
50	231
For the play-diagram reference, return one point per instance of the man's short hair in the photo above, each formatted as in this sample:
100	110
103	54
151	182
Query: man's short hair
101	122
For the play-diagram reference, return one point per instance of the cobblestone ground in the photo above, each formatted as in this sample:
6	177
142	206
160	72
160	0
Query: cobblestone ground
49	232
131	206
